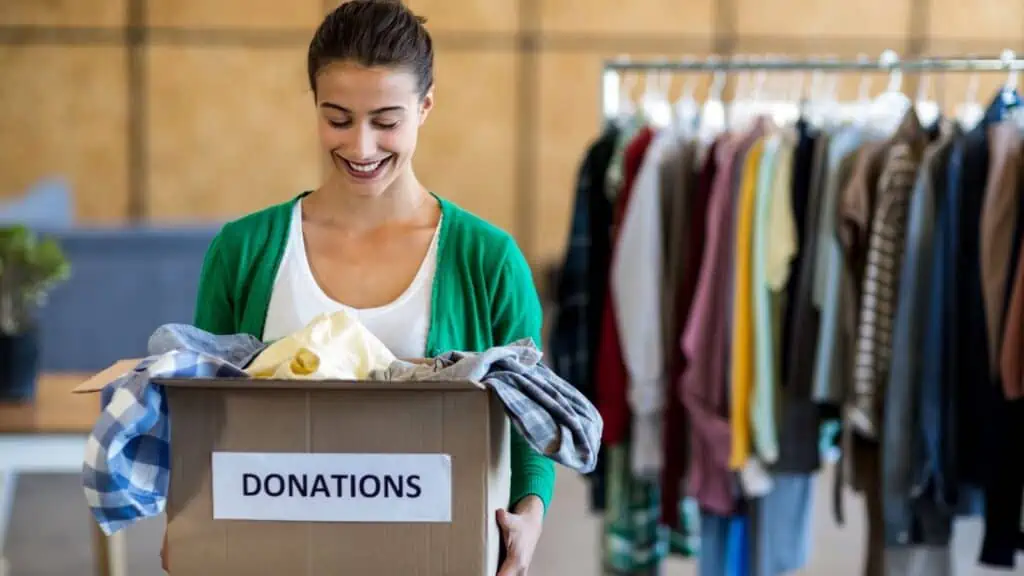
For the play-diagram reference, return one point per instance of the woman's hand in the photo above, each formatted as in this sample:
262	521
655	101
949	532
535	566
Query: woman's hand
521	531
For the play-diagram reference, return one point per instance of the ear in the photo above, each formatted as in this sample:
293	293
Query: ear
426	104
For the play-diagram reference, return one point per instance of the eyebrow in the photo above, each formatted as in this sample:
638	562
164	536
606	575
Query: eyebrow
347	111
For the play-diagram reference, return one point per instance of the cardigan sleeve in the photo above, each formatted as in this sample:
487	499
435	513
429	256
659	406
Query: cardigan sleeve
214	311
517	314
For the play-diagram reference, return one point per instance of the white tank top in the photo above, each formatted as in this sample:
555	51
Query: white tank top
297	298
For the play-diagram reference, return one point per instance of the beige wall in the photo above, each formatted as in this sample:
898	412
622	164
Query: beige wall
207	113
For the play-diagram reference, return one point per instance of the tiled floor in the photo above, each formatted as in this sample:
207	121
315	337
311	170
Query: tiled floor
50	536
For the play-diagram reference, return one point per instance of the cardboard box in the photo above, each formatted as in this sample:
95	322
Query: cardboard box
263	471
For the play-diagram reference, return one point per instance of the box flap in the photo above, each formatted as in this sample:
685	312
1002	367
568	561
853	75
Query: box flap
108	375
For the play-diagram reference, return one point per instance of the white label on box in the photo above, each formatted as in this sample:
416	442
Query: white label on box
301	487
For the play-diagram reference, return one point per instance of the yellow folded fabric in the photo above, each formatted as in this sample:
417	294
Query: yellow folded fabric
331	347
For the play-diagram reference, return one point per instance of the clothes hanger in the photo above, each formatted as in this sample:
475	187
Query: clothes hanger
888	108
815	104
654	101
862	107
771	91
1009	92
928	111
664	89
626	107
687	113
788	89
712	120
831	112
778	88
795	98
969	112
1010	99
734	105
763	100
760	101
855	111
739	107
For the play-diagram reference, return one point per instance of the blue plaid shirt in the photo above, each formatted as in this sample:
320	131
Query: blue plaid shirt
126	471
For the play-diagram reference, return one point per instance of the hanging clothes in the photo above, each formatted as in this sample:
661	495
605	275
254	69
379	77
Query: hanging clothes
635	539
770	267
579	297
799	415
734	294
998	220
683	250
677	461
898	448
1001	478
742	337
581	288
636	286
612	386
829	267
883	261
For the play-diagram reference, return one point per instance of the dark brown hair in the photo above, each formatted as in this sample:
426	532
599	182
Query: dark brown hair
374	33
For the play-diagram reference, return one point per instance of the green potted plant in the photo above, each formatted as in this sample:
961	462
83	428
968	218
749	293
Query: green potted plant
30	267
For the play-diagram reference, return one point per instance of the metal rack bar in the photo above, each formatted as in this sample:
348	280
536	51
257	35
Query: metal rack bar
614	69
782	64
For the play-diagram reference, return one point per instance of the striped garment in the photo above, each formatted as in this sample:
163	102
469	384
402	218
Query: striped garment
873	346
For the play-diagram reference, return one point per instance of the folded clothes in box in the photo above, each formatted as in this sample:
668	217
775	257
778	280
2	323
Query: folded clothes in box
126	473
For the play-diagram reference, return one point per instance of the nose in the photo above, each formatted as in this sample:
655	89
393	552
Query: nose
364	143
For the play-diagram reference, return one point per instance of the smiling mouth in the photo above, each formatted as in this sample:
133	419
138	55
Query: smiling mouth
366	170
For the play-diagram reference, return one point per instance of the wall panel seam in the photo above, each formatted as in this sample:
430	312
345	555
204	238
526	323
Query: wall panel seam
137	124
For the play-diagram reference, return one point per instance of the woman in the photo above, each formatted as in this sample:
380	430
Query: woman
419	272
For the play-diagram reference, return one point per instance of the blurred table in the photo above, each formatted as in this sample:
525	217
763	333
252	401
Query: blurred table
49	436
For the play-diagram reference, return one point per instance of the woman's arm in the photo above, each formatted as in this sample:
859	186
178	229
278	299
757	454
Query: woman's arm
518	314
214	311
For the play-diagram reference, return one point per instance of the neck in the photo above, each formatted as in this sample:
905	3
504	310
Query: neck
400	201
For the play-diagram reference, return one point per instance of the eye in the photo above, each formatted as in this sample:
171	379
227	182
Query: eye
385	125
339	124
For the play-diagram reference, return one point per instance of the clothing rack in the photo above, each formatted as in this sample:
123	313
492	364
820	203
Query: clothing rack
614	69
642	180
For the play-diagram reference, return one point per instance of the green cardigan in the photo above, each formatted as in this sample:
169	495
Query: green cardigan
483	296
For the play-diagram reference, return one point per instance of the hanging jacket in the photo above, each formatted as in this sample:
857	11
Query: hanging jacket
579	298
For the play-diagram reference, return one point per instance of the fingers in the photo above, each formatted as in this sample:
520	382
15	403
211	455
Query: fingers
512	565
504	518
509	524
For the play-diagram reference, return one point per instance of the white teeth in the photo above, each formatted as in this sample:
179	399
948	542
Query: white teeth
365	167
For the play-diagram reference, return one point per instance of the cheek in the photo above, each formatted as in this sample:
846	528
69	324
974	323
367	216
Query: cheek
330	137
402	141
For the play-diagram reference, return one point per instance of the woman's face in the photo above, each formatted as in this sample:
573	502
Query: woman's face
368	123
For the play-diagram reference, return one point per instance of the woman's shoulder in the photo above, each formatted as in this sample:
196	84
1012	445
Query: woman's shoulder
259	227
488	256
473	235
